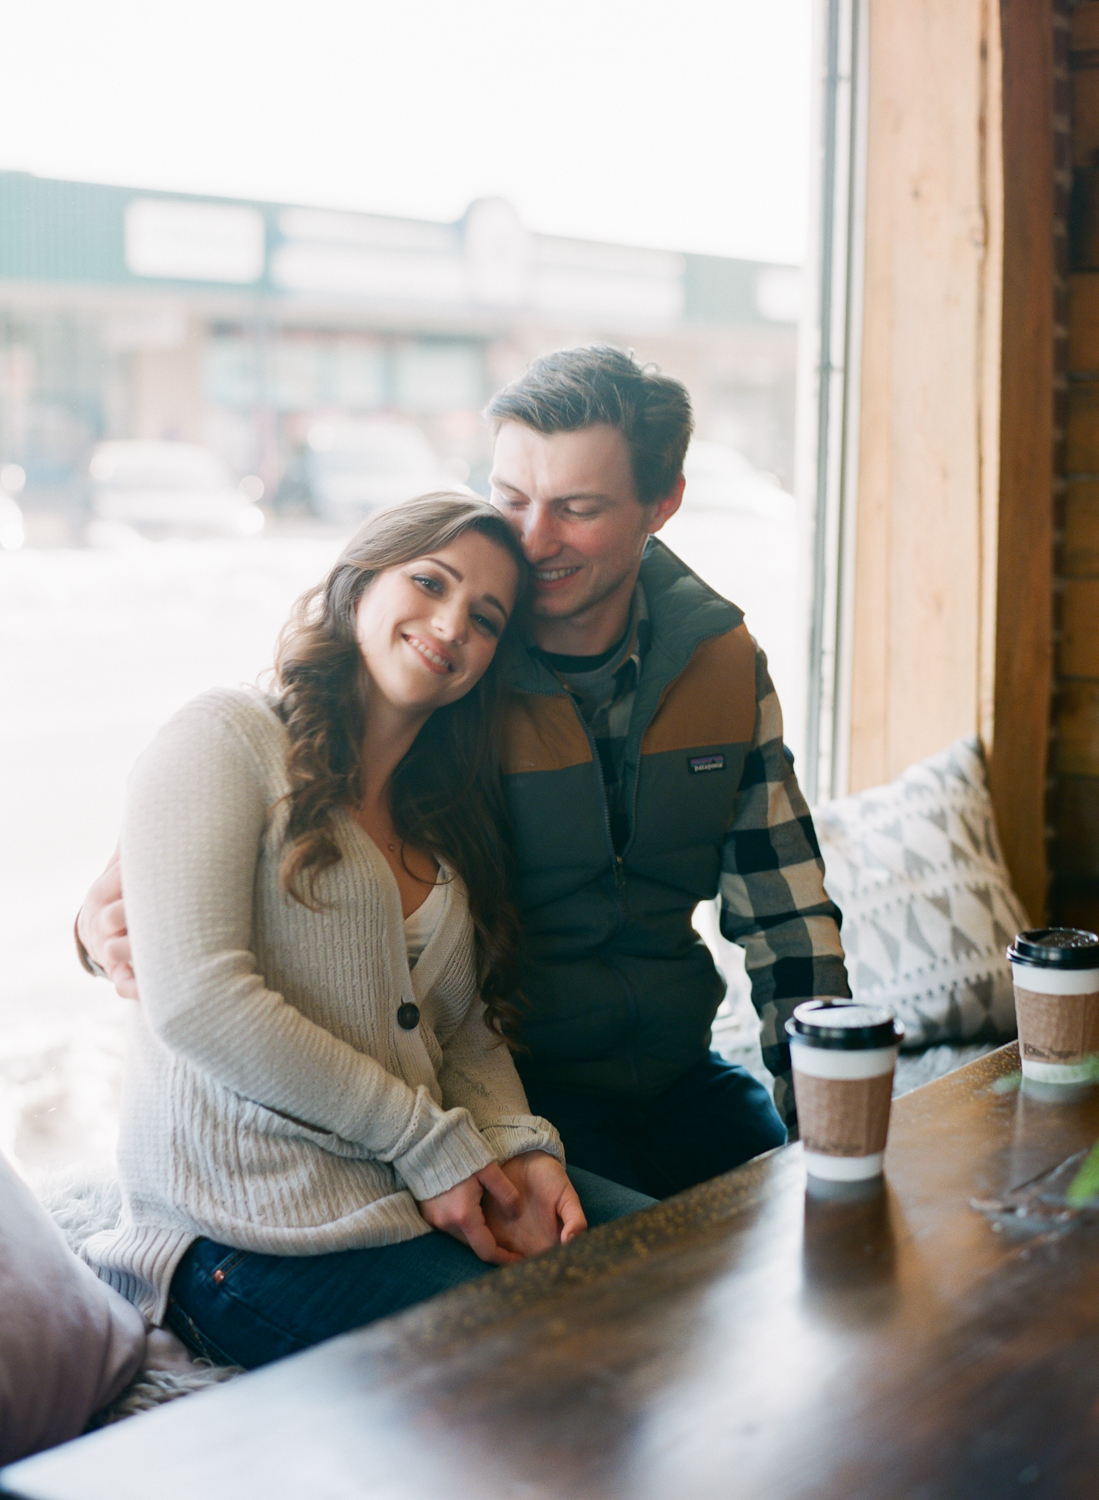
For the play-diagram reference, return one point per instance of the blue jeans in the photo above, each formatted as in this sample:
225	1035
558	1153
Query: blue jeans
237	1307
711	1120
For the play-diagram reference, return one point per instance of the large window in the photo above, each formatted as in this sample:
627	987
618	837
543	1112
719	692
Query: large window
496	190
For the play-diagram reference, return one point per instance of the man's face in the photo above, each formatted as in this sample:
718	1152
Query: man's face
570	497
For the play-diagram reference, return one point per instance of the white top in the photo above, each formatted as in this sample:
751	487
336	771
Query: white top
272	1102
420	924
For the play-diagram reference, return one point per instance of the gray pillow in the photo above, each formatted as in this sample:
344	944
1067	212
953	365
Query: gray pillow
927	904
68	1343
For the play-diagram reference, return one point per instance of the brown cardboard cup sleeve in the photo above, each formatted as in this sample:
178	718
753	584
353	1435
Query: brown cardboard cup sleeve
843	1098
844	1116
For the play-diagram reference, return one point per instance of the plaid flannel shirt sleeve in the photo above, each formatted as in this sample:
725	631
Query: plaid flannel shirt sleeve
773	901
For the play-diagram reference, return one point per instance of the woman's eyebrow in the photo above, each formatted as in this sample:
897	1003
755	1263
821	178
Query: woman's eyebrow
459	577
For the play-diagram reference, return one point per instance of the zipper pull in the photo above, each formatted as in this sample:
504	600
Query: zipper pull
619	871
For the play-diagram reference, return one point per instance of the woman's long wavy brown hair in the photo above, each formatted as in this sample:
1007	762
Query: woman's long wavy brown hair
446	793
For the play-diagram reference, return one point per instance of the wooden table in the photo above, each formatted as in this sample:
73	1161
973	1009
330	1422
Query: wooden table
741	1340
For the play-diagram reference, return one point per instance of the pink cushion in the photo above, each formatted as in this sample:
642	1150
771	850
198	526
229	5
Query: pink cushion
68	1343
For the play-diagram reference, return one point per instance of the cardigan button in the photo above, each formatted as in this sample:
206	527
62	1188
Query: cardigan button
408	1017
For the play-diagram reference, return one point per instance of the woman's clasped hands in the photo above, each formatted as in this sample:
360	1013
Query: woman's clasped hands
507	1212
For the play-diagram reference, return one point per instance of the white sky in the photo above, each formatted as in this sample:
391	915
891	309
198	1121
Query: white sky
644	121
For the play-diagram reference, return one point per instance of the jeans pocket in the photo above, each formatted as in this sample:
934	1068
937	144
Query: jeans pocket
182	1324
227	1265
225	1305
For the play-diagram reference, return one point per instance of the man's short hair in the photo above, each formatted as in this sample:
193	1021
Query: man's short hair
576	388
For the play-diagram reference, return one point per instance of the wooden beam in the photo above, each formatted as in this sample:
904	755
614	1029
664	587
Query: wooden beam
1024	642
953	592
924	600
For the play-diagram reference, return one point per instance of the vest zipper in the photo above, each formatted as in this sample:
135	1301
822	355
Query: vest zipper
617	864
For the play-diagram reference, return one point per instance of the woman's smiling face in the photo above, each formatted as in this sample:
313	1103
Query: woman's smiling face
428	629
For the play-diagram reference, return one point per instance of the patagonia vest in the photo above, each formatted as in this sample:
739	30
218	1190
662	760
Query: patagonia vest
619	990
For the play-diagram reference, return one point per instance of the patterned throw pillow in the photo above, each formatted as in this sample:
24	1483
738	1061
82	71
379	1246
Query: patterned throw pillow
927	904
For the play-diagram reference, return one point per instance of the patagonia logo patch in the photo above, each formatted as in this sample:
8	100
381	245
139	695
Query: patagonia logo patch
696	764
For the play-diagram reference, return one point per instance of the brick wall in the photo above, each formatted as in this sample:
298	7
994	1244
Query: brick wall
1074	791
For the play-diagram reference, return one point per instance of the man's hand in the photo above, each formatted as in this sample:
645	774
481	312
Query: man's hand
101	927
459	1212
549	1212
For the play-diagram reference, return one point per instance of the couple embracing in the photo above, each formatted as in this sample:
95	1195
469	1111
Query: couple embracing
411	930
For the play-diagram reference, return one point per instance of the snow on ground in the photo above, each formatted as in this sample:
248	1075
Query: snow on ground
97	649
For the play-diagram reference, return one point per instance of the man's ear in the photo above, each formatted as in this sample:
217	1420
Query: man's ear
665	508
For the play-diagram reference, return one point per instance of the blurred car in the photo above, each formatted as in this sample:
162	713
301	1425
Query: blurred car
12	532
720	478
353	467
162	488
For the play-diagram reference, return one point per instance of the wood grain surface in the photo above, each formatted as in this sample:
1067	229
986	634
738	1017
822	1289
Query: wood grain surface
740	1340
923	605
1025	521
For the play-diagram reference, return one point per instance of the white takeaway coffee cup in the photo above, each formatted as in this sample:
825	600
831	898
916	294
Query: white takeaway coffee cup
1056	975
843	1056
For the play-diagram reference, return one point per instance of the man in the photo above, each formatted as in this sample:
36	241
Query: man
645	770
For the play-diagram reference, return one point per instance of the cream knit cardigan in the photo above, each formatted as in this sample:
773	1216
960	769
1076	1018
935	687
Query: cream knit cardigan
271	1101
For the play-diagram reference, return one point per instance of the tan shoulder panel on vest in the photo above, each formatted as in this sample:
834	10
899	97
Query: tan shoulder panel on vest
542	733
712	701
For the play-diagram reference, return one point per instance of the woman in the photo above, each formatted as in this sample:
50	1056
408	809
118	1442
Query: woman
316	889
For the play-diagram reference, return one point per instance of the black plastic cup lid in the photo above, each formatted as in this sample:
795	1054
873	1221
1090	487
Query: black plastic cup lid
1056	948
845	1025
